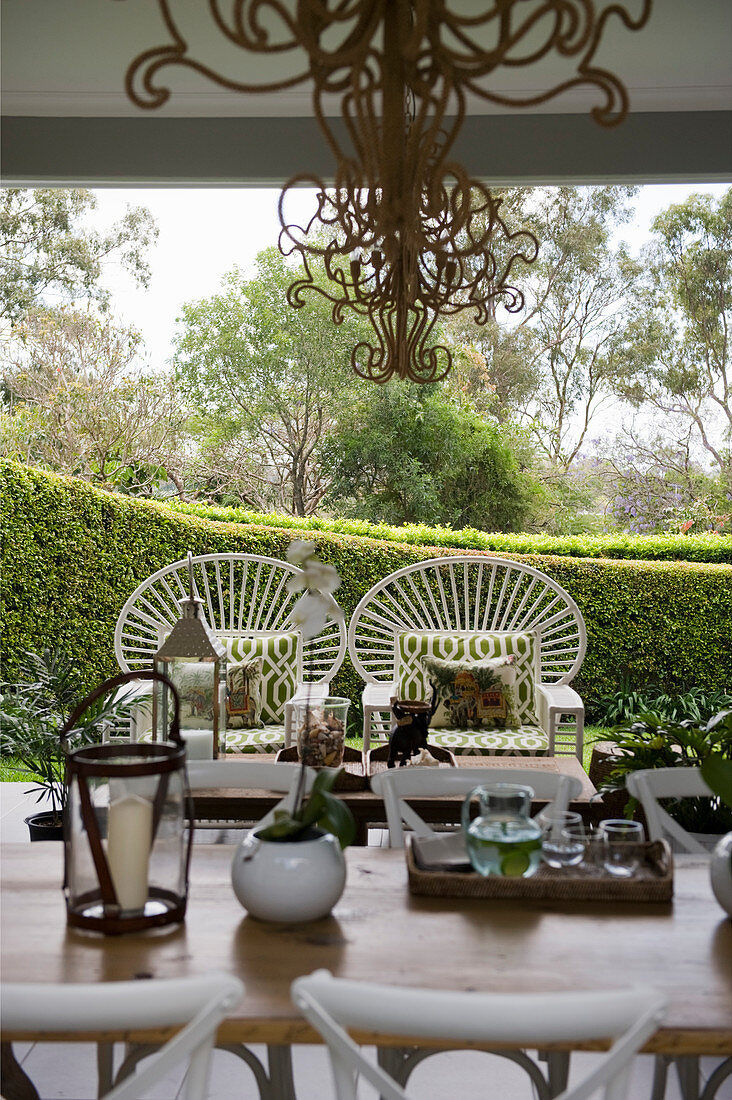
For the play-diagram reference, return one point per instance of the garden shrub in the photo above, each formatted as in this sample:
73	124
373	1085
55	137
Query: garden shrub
73	554
711	547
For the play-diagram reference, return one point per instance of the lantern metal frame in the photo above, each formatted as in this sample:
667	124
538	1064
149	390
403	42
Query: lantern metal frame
118	761
189	635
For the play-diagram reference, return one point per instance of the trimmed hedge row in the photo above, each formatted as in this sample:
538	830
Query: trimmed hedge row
704	547
73	554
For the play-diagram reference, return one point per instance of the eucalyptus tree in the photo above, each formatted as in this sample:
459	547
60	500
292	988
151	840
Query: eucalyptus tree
264	384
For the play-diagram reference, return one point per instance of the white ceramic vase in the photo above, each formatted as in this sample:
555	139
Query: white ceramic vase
720	871
289	880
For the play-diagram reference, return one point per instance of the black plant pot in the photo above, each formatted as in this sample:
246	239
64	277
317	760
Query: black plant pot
42	826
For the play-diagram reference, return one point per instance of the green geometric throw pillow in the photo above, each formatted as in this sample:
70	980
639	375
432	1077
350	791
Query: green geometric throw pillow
413	646
281	661
474	694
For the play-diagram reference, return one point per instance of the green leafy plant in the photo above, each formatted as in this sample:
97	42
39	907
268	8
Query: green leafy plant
35	709
627	703
320	810
653	741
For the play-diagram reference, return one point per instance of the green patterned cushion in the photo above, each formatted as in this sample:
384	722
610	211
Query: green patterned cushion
269	740
244	694
412	647
474	694
525	741
280	655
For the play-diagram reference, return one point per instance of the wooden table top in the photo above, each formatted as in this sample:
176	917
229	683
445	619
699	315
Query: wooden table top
234	804
380	932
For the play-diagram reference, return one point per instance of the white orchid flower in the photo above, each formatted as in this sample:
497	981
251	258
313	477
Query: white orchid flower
310	613
299	551
319	577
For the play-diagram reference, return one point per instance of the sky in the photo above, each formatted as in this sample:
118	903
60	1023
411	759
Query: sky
205	232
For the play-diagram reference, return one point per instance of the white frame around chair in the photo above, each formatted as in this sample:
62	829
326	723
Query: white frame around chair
473	593
398	784
244	596
200	1004
650	784
333	1005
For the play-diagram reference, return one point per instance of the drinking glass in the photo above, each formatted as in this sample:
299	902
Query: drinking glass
621	846
562	843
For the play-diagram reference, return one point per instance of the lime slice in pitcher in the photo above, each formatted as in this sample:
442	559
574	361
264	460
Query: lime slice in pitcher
515	864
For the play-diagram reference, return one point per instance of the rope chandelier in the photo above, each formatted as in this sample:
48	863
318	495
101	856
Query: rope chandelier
403	236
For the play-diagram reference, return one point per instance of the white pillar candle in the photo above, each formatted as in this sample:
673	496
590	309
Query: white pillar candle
129	839
198	743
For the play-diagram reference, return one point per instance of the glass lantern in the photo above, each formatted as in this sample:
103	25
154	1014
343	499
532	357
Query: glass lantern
127	828
194	660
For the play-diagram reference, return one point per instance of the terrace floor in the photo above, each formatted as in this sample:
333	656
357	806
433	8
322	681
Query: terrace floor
68	1071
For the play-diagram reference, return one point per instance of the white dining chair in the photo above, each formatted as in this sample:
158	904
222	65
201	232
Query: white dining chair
335	1005
396	785
281	777
650	784
200	1004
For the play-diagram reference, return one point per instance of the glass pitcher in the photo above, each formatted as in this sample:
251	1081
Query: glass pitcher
502	839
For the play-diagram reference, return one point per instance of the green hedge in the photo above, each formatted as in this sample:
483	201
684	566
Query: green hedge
706	547
73	554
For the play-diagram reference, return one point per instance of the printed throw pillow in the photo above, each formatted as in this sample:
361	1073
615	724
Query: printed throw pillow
244	694
474	694
195	684
281	660
412	647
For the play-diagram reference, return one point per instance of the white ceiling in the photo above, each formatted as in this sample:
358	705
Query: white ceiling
64	63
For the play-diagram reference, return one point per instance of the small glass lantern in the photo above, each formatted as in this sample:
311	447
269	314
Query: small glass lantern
125	822
194	659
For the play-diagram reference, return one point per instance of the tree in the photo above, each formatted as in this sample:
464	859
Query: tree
46	251
267	382
554	363
676	353
405	453
76	402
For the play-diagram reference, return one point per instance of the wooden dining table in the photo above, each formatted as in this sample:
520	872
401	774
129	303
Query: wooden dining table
378	931
234	805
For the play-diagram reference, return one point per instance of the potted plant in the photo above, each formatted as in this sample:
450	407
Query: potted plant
33	711
655	741
293	869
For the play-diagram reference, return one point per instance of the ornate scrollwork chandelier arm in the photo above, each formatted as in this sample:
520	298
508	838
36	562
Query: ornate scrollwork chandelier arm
577	31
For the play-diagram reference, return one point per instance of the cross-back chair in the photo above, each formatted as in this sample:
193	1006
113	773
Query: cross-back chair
335	1005
247	603
200	1004
473	607
649	785
399	784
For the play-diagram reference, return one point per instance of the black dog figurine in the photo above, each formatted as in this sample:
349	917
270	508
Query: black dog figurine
409	729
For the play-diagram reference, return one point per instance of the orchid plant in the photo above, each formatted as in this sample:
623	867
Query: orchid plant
317	581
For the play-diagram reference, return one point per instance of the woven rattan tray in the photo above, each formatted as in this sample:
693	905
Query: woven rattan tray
653	882
353	773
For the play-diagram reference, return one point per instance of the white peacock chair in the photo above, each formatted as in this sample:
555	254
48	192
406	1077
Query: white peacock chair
248	605
472	607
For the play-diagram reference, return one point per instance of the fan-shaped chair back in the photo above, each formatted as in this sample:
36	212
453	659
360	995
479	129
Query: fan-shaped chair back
244	596
471	594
